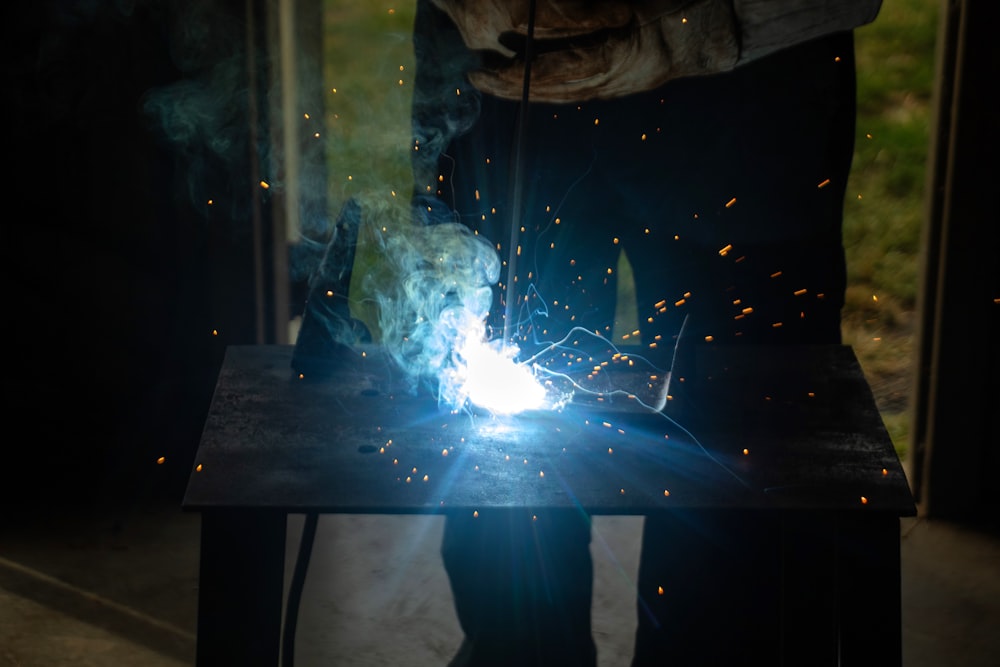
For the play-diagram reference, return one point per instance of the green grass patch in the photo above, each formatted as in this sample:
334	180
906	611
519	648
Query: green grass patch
884	210
368	68
885	202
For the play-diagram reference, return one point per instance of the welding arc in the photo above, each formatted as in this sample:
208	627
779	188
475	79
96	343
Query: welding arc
295	590
516	179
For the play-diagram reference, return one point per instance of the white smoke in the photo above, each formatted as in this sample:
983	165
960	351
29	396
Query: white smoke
426	291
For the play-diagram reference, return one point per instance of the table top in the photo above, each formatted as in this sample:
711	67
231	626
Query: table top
791	428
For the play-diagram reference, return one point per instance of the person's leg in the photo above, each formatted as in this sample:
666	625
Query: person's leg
710	596
522	585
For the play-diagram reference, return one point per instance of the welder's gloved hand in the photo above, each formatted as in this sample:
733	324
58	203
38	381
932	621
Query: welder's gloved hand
587	49
601	49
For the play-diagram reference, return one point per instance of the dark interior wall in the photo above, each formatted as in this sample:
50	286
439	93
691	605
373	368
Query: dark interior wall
956	438
117	269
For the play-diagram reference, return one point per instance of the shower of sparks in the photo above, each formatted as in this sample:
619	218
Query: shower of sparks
489	375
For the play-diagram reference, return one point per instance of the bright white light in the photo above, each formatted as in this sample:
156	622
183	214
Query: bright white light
494	381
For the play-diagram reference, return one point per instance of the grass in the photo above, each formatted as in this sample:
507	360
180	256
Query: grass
368	68
885	203
368	60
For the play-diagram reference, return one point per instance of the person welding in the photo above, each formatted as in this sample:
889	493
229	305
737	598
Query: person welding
709	141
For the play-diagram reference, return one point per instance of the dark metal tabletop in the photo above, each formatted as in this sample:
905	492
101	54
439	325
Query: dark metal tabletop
748	427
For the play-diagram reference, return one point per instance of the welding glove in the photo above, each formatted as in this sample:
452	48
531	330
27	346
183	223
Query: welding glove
587	49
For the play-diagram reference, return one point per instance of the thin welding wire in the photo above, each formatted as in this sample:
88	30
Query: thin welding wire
516	179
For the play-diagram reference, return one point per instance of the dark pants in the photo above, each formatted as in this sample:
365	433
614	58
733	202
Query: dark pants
522	584
726	194
709	589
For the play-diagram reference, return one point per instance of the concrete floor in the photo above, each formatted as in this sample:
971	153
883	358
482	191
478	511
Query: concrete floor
91	588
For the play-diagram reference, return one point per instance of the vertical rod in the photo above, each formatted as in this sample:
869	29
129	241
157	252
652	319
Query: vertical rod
257	224
516	183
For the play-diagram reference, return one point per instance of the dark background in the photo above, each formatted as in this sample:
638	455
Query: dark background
118	271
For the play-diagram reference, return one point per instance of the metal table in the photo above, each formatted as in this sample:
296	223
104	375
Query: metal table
792	430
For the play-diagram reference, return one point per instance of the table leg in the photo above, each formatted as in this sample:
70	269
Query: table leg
240	587
870	590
